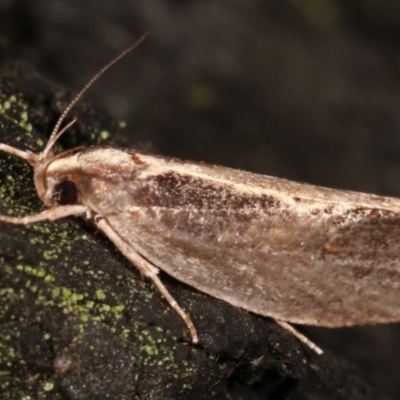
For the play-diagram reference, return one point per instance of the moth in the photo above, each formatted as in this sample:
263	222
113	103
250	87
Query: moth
294	252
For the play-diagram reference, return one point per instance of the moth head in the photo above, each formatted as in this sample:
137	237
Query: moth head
65	190
56	187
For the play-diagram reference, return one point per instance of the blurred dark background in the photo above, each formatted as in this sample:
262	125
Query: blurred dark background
306	90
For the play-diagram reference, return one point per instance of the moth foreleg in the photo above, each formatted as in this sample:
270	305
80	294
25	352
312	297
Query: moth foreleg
299	336
26	155
147	270
51	214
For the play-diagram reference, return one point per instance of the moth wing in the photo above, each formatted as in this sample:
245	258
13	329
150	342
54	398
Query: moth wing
318	271
291	251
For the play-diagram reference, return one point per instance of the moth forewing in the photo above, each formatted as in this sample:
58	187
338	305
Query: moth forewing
271	249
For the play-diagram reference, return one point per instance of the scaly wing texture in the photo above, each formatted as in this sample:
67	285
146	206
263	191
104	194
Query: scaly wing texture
291	251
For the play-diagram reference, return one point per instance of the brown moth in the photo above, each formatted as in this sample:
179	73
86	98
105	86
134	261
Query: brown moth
290	251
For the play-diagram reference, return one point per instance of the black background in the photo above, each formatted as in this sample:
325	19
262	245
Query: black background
298	89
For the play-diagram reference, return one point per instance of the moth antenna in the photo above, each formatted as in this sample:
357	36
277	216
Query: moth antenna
65	128
55	135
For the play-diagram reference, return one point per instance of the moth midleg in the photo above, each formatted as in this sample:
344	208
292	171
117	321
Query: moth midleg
51	214
148	270
299	336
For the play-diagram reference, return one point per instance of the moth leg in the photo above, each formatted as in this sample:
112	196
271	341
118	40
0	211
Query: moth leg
148	270
299	336
51	214
172	302
26	155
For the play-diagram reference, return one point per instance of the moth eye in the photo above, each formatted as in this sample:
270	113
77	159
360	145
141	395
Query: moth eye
66	193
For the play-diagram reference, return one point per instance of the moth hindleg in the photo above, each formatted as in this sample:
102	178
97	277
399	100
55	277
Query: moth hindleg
147	269
299	336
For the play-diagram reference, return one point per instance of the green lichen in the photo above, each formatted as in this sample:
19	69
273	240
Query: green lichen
104	308
118	309
14	109
100	294
48	386
89	304
104	135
